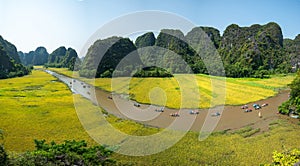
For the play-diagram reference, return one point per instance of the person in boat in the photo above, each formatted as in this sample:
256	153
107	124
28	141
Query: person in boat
259	114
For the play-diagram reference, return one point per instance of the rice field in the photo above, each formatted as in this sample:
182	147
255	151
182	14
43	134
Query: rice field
240	147
191	91
38	106
224	148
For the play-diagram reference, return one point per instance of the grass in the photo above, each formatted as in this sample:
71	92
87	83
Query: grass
191	91
247	131
39	107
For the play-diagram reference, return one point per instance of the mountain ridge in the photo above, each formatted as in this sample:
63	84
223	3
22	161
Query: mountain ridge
10	63
254	51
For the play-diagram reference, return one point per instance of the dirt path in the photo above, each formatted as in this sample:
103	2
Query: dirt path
232	117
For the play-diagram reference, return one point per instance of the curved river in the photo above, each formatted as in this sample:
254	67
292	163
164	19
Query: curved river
233	117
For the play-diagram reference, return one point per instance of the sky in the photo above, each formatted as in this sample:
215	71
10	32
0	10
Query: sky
29	24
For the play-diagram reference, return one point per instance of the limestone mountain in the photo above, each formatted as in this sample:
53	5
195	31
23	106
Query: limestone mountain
10	65
197	33
57	55
205	41
40	56
147	39
62	57
176	52
10	49
37	57
254	51
103	58
70	59
292	49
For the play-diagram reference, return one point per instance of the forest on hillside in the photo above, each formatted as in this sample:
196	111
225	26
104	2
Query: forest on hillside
255	51
10	63
60	57
15	63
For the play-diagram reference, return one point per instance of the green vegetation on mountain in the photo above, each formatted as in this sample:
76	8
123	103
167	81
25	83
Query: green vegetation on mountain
255	51
57	55
147	39
10	49
212	33
176	54
62	57
26	58
292	49
70	59
205	41
104	56
163	53
37	57
10	64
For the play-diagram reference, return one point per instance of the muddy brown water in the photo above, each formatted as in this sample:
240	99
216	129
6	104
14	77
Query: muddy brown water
231	117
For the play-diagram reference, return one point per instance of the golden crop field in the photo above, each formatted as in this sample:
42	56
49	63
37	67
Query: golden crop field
220	148
191	91
37	106
224	148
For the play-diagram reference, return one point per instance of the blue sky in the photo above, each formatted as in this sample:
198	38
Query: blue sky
52	23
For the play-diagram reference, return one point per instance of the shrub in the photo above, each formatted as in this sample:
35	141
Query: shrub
87	73
293	104
3	154
152	72
67	153
286	158
284	108
105	74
